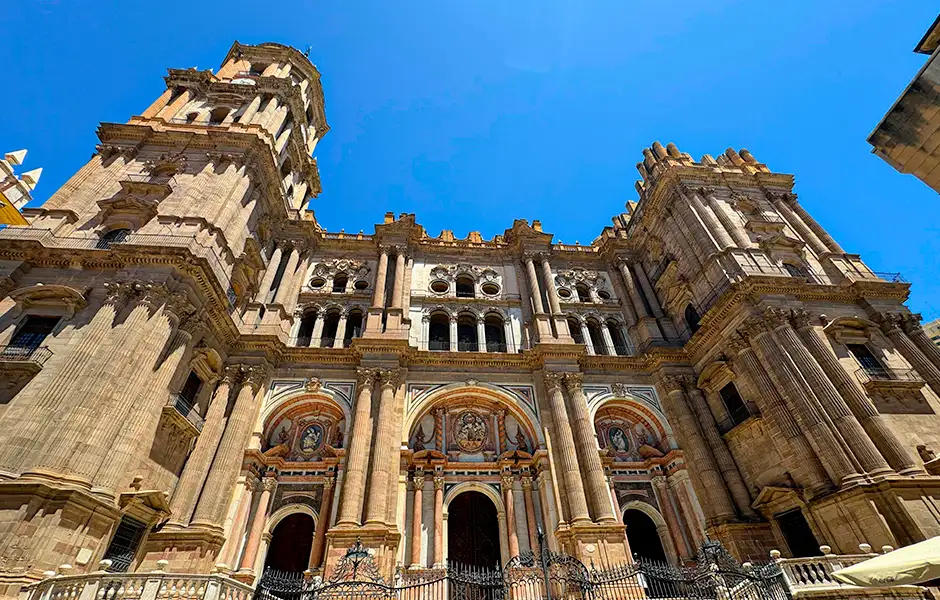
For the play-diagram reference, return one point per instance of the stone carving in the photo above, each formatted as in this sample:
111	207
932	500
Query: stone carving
618	440
470	431
314	384
420	439
311	438
926	454
168	163
521	443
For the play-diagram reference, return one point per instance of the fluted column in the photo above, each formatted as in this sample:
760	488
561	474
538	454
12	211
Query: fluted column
673	527
399	283
844	422
711	221
510	507
635	300
339	340
530	522
438	521
158	104
453	333
211	509
586	336
778	416
608	338
323	524
250	111
378	298
858	402
723	458
284	289
550	290
912	328
533	285
378	482
567	455
194	472
891	324
416	506
733	227
257	525
716	500
481	335
784	374
350	507
588	455
269	274
692	223
810	222
798	225
233	543
648	290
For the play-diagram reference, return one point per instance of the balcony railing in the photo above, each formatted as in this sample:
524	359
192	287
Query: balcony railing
461	294
615	350
438	345
185	408
892	277
37	355
887	375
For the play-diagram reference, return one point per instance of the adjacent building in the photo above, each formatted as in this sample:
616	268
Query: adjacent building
195	370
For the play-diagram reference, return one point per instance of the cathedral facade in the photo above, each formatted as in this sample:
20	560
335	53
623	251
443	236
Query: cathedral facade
196	371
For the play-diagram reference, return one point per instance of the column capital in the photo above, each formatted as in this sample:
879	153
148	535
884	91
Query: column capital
151	294
889	321
910	323
703	190
193	323
328	483
438	482
231	374
268	483
386	249
418	479
178	304
676	383
365	377
553	379
801	318
256	376
573	381
526	482
118	292
507	479
737	342
390	378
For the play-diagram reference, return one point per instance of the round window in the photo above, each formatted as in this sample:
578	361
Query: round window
361	284
490	289
564	293
603	295
317	282
439	287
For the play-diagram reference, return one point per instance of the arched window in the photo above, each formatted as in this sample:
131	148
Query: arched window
495	333
464	286
597	338
467	340
353	327
574	328
584	294
115	236
217	115
305	332
439	332
692	318
621	348
339	282
330	324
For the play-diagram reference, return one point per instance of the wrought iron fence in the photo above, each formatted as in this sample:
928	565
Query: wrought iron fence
34	354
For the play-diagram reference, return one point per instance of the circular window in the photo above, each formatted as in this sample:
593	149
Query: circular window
317	282
439	287
361	284
603	295
490	289
564	293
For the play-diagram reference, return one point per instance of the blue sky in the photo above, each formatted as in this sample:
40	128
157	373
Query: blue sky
473	113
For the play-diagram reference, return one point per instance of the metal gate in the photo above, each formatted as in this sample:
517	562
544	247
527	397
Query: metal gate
716	575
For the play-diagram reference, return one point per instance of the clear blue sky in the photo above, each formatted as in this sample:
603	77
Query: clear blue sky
473	113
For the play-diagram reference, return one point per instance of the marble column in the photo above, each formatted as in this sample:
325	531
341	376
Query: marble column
357	459
378	298
399	281
741	239
567	455
258	522
510	514
481	335
453	333
727	467
798	225
715	228
416	510
716	499
438	522
340	340
534	285
891	325
598	493
197	465
384	443
858	402
233	542
269	274
530	521
323	524
586	336
844	423
648	290
778	416
212	507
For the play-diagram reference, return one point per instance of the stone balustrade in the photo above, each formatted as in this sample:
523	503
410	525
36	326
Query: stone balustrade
156	585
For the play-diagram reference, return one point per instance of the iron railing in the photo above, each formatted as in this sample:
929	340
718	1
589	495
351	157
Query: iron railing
184	406
443	345
892	277
33	354
871	374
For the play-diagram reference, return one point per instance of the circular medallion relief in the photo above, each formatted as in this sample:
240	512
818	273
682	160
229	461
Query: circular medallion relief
470	431
311	438
618	439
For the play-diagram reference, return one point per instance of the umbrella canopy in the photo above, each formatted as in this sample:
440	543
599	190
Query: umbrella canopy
906	566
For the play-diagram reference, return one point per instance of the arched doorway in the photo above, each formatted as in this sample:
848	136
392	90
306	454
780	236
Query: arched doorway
473	530
291	543
643	536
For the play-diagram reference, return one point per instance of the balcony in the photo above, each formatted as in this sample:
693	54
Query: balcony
25	355
495	347
884	378
180	411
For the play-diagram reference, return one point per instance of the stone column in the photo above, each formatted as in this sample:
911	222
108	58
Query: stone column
696	226
716	500
316	335
816	228
250	111
211	509
567	455
158	104
269	275
798	225
891	325
741	239
339	340
323	525
453	333
507	481
384	442
284	289
723	458
534	285
912	328
507	335
635	300
613	498
297	281
586	336
438	521
378	298
711	221
357	459
801	406
481	335
502	437
608	338
648	290
673	527
247	563
550	290
233	543
190	482
598	493
858	402
530	522
834	407
399	282
416	510
778	415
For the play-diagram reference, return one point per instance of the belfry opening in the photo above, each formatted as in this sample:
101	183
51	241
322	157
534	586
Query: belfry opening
473	531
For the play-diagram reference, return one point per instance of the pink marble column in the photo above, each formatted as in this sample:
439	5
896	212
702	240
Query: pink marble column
530	521
323	524
234	542
418	482
438	522
257	526
510	507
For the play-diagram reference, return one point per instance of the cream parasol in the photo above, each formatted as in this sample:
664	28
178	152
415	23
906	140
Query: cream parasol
910	565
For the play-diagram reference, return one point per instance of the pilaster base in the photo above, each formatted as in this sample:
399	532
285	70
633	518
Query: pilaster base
601	545
192	549
381	542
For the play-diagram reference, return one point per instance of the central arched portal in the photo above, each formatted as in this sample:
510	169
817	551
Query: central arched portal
291	543
473	530
643	535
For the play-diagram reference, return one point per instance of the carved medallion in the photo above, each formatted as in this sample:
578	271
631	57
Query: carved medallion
311	438
470	431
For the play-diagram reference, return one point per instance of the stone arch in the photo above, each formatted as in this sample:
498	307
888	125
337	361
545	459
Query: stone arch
662	528
497	500
311	401
640	409
275	519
